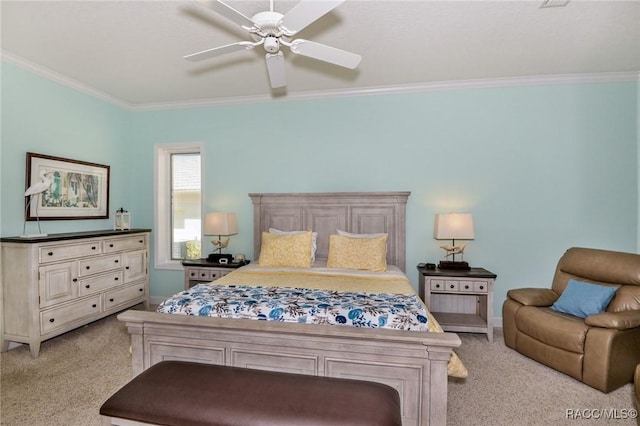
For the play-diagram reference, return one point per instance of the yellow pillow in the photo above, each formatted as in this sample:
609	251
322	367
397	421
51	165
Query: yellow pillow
289	250
358	253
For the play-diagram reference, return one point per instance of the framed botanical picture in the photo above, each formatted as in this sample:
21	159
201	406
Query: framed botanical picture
64	189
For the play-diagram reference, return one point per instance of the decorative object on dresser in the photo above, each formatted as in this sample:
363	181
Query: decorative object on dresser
79	189
453	226
461	301
36	190
203	271
56	283
220	224
121	220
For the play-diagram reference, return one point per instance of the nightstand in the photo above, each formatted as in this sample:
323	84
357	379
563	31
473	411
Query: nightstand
461	301
201	271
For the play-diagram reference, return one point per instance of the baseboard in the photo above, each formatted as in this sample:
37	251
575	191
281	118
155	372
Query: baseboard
497	322
156	300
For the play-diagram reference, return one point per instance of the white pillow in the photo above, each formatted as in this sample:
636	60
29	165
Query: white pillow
349	234
314	238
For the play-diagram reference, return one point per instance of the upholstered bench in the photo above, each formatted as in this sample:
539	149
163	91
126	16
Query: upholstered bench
178	393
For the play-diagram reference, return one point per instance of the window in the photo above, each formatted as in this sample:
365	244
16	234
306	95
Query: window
178	206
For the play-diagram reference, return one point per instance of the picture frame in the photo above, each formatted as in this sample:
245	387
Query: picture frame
65	189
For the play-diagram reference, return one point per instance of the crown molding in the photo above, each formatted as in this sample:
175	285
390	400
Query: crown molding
487	83
62	79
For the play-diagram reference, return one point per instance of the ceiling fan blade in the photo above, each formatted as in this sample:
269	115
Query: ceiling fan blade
216	51
325	53
276	70
229	13
305	13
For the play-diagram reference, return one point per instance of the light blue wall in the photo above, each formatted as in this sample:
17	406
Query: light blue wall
542	168
44	117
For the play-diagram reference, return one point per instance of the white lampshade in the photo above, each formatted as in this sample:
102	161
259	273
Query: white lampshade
220	223
453	226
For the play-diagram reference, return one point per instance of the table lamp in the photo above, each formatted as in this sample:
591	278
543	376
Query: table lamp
221	224
454	226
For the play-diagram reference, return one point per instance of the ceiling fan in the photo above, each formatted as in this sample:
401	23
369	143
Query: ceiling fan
273	30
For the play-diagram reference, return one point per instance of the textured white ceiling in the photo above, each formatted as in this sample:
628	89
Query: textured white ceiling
132	51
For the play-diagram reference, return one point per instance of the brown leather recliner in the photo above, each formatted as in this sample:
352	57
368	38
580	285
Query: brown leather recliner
601	350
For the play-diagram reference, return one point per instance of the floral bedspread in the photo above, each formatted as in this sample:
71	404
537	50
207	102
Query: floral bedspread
299	305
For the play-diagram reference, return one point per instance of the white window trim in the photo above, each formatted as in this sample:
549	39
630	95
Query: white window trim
162	188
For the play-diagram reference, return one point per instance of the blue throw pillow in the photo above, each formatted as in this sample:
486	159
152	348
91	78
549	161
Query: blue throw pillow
583	299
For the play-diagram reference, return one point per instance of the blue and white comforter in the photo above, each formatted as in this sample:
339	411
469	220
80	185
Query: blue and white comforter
299	305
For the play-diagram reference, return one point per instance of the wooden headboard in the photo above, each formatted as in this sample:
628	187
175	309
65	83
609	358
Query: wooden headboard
357	212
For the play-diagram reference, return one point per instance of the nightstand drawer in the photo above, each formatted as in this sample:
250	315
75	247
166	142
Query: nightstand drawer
437	285
466	286
205	274
445	285
451	285
480	286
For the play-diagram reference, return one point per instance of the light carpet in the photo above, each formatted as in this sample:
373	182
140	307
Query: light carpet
76	372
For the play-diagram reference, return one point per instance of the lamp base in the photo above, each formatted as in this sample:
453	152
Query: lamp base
459	265
215	257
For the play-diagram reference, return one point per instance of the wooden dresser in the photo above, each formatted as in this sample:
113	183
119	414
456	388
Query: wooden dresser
59	282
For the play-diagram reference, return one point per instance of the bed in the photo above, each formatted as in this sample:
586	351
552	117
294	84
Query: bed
416	363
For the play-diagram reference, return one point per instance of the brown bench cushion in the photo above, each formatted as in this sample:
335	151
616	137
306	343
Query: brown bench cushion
178	393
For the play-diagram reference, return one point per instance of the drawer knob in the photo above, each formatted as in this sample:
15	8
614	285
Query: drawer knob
93	248
437	285
88	267
451	286
141	241
50	253
126	267
466	287
75	280
94	305
110	300
142	289
115	278
481	287
51	320
116	261
110	245
87	286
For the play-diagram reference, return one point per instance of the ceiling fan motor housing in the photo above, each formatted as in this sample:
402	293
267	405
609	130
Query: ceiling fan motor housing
271	44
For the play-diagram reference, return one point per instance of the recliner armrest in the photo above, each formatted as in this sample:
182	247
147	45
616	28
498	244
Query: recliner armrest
622	320
533	296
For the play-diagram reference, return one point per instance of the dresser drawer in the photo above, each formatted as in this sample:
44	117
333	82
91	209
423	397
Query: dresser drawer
102	264
100	282
52	319
122	296
125	243
69	251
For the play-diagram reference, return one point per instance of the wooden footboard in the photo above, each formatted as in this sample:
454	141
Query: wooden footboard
414	363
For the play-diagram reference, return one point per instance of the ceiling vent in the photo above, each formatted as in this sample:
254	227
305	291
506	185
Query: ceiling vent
554	3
